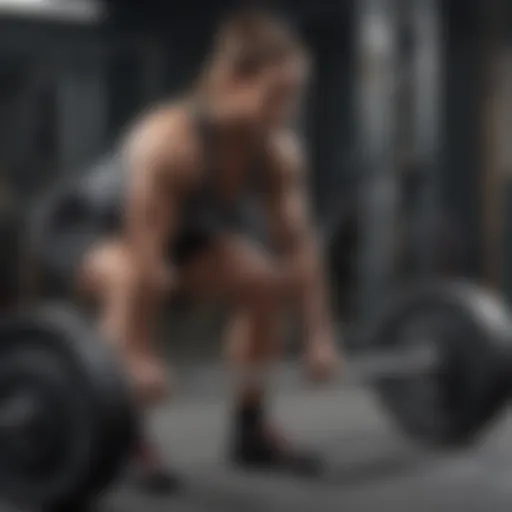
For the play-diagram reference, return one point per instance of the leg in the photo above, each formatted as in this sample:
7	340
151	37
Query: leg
127	317
236	269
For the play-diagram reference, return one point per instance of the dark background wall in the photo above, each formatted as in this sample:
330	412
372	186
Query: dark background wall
461	179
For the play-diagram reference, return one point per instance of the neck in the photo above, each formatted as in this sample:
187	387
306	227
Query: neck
232	127
228	113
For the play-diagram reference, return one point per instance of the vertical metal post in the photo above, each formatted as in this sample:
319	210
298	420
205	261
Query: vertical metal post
376	42
152	64
427	103
82	114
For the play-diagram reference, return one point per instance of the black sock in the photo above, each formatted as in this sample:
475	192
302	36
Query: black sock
254	446
249	416
146	449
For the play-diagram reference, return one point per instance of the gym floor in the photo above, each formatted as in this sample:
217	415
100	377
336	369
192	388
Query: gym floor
370	465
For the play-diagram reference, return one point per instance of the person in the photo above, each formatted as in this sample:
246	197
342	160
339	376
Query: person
188	168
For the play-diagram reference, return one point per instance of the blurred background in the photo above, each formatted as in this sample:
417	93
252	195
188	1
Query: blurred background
407	120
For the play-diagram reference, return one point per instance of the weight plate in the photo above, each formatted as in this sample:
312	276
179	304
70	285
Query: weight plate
119	421
47	427
115	408
65	334
470	331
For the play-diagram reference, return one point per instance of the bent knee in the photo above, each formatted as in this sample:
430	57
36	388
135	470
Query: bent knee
103	265
111	266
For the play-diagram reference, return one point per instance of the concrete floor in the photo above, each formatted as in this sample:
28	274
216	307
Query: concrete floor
370	465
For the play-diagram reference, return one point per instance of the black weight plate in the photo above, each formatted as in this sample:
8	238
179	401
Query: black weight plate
471	332
494	318
115	407
47	426
61	330
119	420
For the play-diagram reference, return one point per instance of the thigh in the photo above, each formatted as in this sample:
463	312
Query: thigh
231	267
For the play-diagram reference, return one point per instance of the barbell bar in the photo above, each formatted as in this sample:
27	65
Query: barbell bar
364	369
381	366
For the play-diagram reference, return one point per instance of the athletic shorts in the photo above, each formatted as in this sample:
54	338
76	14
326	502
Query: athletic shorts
69	234
200	226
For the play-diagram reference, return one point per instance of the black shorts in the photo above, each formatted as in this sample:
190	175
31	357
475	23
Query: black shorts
67	228
62	250
191	241
200	228
64	254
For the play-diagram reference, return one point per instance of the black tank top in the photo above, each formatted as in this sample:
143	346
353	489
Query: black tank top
206	202
101	190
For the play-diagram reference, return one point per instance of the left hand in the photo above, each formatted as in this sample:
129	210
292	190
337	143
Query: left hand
323	358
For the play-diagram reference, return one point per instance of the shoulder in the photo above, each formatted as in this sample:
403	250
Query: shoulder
164	138
286	153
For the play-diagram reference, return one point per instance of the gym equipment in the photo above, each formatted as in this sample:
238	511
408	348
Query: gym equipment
67	423
463	378
439	357
440	360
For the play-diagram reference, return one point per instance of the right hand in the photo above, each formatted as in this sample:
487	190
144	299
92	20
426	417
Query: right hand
323	358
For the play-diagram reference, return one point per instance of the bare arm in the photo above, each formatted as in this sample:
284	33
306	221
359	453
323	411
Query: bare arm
158	163
296	237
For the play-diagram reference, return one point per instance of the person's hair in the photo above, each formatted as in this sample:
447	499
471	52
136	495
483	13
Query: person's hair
250	40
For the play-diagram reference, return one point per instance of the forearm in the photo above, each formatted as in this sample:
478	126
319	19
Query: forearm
294	232
308	273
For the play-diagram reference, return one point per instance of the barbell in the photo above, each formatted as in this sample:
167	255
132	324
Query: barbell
439	361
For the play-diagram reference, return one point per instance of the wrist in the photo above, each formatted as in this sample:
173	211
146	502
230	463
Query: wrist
319	333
